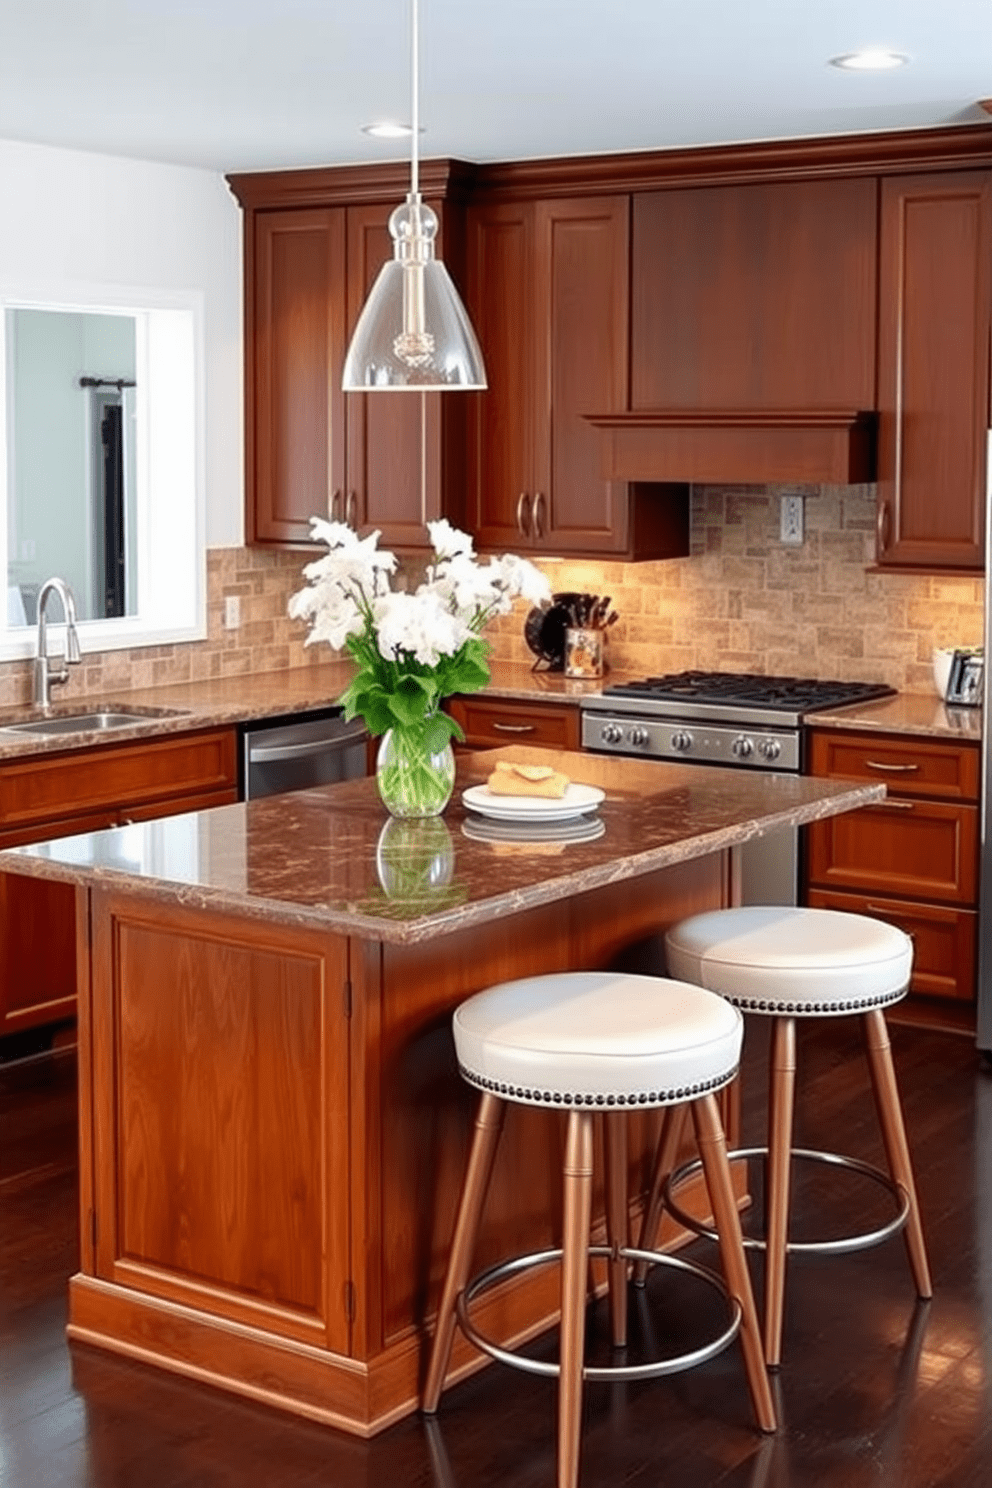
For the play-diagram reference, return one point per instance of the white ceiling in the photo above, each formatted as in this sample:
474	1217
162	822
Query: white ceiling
254	84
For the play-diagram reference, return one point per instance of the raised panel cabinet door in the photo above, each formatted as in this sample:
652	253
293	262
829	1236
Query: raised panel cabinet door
933	368
219	1126
394	439
295	351
581	324
500	461
923	850
755	296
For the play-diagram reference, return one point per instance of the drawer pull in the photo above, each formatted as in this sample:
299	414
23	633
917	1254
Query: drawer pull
896	805
889	914
894	769
515	728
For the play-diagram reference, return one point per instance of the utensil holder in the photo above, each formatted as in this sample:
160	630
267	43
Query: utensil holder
583	652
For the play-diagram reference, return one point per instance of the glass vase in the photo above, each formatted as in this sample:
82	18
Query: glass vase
413	779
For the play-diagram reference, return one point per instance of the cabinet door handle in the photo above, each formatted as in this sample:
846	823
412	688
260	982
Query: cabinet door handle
515	728
523	515
336	507
351	509
895	805
894	769
538	517
882	527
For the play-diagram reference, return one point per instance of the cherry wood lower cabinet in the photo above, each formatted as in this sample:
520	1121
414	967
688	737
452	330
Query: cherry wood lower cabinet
487	721
55	795
273	1134
912	859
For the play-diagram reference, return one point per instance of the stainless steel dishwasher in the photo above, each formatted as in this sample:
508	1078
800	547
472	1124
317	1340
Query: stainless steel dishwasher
295	753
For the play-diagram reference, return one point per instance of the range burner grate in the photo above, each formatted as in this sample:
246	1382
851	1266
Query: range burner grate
798	694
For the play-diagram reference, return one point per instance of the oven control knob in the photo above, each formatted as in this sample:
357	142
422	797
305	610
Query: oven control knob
639	737
612	733
770	749
742	746
681	741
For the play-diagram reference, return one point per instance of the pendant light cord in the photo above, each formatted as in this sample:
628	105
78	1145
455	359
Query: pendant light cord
415	91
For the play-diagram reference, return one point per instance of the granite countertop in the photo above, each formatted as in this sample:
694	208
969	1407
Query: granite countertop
332	858
181	708
906	713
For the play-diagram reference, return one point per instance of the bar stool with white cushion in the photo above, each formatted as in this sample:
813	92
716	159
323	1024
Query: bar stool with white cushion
592	1043
785	963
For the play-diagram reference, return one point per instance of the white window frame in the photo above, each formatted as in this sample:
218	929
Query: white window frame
171	457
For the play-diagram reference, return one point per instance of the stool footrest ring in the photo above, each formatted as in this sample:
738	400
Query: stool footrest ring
843	1244
673	1365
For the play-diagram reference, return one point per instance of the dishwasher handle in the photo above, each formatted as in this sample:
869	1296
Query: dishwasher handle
267	753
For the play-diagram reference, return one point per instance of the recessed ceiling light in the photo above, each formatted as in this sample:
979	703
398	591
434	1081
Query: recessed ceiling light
872	59
387	130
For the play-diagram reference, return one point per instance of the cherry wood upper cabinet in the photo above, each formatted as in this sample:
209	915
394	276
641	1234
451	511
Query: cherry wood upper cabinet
755	297
294	355
933	366
548	287
314	243
394	439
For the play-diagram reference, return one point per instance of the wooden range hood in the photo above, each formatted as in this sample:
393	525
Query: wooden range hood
724	446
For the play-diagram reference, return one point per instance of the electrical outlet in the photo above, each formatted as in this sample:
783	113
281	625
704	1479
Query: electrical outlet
232	611
791	520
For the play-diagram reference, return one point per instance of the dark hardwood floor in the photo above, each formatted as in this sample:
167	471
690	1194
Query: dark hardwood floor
876	1389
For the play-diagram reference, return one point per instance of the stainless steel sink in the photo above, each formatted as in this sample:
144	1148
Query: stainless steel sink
99	721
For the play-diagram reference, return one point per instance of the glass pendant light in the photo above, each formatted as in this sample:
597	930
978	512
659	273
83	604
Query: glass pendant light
413	333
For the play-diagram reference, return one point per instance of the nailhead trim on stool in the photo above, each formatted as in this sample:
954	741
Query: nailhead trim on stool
556	1098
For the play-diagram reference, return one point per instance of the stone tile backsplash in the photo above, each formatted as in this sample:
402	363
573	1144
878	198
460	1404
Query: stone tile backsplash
741	602
266	640
745	602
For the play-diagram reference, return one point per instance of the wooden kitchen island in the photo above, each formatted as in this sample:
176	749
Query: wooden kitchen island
272	1127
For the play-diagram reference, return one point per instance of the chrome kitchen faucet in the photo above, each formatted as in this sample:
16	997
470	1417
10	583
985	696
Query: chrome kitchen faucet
45	675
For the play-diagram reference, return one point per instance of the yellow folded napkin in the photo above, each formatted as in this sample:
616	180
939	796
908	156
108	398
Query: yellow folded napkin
527	780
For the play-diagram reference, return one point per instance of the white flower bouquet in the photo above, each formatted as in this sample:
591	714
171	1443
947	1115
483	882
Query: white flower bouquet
411	650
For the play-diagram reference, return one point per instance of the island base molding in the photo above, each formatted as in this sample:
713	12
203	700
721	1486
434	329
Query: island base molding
361	1397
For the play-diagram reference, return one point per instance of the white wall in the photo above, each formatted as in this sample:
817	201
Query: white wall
72	218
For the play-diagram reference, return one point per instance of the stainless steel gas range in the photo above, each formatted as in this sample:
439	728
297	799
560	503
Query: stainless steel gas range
715	718
724	718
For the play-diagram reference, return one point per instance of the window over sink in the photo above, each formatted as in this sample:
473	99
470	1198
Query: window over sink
101	445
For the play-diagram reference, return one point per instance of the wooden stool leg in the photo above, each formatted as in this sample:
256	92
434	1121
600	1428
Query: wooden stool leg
713	1151
617	1221
485	1139
780	1112
669	1142
575	1246
883	1079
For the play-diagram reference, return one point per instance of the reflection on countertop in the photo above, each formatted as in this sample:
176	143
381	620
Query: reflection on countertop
906	713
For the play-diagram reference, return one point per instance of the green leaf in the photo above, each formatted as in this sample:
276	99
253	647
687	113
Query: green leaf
439	730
